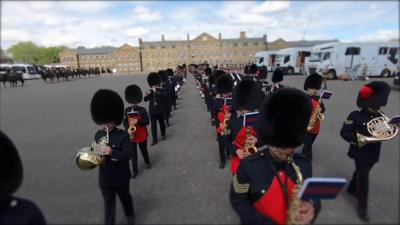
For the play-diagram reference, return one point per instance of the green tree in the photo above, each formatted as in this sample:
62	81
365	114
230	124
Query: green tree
28	52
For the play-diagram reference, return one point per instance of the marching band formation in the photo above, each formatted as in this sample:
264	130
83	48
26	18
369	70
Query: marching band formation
258	127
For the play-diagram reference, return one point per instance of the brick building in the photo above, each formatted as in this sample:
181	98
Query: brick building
163	54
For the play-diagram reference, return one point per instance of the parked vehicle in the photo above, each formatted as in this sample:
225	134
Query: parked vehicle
266	58
28	71
354	59
396	80
292	60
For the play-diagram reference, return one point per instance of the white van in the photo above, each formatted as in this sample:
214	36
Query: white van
28	71
266	58
375	59
292	60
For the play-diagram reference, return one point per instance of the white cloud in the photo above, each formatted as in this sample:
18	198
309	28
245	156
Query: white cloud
380	35
143	13
93	24
136	32
271	6
85	6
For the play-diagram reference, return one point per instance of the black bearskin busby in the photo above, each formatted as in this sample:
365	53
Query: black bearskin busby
170	72
164	75
313	81
153	79
133	94
277	76
11	171
247	95
373	95
107	106
207	71
224	84
284	118
253	69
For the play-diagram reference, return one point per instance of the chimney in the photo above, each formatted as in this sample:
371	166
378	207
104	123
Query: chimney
242	35
162	37
140	42
265	37
187	37
219	36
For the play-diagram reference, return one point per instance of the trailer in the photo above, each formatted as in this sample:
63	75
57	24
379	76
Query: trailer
354	59
292	60
266	58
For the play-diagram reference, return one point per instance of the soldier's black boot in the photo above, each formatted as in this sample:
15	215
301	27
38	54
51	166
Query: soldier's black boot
363	215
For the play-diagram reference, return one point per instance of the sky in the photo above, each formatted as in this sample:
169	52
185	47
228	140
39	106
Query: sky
112	23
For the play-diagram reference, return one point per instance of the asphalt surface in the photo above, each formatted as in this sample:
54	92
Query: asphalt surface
50	122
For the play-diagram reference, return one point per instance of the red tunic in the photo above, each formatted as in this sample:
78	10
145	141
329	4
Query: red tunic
273	203
239	142
140	134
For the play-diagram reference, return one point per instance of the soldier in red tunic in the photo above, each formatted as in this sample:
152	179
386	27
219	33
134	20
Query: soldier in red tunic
247	98
312	85
261	191
136	116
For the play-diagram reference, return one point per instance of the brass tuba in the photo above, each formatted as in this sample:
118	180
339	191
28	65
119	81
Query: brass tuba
295	203
248	147
379	129
90	157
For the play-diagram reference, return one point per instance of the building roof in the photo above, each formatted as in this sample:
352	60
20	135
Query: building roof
304	43
93	51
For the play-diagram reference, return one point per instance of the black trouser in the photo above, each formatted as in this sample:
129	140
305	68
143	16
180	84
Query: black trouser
222	148
308	142
125	197
360	182
168	112
145	154
153	121
174	97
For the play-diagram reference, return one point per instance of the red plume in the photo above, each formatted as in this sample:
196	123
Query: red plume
366	91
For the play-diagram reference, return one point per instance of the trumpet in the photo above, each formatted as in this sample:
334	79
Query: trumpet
91	156
249	148
379	129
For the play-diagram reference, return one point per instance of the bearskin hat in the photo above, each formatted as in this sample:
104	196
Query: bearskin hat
11	171
107	106
170	72
207	71
253	68
153	79
277	76
284	118
164	75
313	81
373	95
224	84
247	95
133	94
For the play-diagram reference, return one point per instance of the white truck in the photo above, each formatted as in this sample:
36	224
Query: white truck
266	58
354	59
292	60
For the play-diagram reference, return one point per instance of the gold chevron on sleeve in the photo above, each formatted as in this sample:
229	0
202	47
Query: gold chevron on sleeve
240	188
348	122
